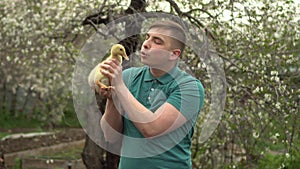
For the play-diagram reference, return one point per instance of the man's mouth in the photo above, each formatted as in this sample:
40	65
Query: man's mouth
144	54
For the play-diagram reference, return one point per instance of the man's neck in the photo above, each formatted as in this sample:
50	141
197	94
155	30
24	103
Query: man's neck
156	72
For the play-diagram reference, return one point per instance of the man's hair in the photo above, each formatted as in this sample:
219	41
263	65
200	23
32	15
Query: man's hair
177	32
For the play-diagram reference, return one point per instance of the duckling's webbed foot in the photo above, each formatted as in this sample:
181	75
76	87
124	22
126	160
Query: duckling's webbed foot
103	86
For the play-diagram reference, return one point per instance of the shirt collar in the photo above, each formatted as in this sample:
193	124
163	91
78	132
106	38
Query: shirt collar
163	79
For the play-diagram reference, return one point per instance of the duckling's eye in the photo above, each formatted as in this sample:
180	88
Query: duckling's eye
121	49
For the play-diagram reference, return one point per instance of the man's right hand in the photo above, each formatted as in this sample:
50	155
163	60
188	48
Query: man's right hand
106	92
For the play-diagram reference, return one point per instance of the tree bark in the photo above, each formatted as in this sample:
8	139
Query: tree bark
92	155
2	166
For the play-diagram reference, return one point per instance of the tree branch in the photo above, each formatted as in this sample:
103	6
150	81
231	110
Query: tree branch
186	14
95	19
192	19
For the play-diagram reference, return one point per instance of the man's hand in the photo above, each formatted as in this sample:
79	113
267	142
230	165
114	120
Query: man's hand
106	92
113	70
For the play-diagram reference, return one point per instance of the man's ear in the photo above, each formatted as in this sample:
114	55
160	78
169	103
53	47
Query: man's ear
175	54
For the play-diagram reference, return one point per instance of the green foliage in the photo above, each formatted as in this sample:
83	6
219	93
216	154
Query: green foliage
285	160
38	55
8	122
18	163
259	43
3	134
74	154
70	119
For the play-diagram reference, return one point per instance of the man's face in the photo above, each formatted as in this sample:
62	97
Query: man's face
156	49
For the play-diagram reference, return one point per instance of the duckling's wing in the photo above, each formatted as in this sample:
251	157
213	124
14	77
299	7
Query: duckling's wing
93	75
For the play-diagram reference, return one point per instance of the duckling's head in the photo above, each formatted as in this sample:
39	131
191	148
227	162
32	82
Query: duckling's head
119	50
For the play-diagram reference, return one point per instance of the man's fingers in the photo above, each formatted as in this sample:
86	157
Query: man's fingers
106	72
106	92
107	69
115	62
112	62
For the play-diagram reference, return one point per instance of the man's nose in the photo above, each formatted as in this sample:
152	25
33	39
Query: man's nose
146	44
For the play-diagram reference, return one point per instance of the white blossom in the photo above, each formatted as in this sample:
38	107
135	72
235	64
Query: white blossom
255	134
278	105
267	96
274	73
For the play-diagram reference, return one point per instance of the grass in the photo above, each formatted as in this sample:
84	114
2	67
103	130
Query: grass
3	134
74	153
17	164
69	119
9	122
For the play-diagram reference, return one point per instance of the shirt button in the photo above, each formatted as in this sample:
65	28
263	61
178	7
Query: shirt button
149	98
155	81
152	89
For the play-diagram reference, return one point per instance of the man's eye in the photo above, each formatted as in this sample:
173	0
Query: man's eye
157	41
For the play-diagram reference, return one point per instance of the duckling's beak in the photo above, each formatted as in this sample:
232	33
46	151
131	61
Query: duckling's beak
125	55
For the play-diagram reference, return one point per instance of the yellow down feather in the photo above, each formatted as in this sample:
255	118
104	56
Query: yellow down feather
96	79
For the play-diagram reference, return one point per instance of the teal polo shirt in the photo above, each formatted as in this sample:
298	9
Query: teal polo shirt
172	150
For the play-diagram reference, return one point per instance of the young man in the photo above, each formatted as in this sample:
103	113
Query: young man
159	102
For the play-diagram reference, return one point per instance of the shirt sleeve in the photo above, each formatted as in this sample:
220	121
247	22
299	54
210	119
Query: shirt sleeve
188	98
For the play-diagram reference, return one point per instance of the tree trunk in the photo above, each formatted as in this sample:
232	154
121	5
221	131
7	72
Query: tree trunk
112	160
3	100
13	105
2	166
92	155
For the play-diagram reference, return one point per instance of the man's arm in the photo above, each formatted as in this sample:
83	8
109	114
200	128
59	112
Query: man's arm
111	122
165	119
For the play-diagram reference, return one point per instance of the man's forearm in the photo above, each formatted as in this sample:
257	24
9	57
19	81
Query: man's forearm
151	124
142	117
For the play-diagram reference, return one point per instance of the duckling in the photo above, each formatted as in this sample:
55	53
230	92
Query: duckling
96	79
